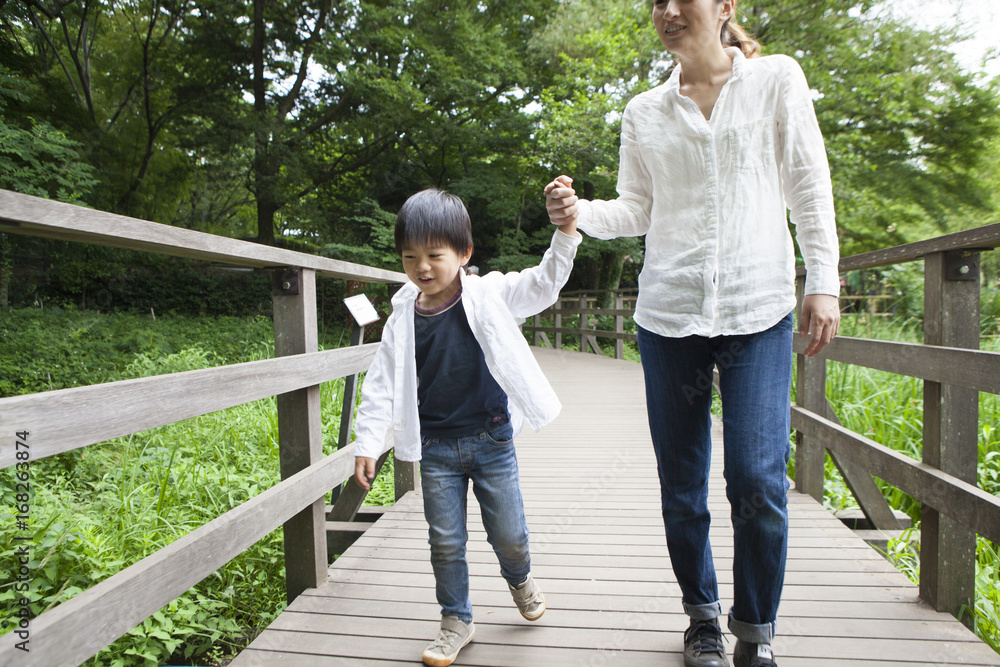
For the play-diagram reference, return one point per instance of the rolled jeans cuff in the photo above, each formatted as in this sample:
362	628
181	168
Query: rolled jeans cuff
703	612
751	632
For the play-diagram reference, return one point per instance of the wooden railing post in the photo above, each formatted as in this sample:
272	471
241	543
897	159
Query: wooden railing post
347	403
619	326
584	323
810	394
406	475
951	417
300	430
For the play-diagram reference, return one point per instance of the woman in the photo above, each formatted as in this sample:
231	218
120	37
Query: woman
709	162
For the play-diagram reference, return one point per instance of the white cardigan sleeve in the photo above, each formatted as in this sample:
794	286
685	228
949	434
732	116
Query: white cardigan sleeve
533	290
374	418
806	183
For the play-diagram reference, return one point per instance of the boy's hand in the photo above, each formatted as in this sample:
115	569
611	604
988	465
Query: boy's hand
364	472
560	201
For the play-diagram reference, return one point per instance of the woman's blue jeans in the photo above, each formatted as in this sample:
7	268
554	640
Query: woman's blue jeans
755	372
446	467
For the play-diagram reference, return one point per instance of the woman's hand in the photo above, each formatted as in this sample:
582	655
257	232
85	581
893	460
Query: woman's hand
560	201
820	319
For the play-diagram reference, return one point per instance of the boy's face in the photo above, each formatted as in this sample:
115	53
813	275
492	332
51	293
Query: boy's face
434	269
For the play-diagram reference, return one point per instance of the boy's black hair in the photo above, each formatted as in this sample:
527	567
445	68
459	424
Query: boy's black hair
434	216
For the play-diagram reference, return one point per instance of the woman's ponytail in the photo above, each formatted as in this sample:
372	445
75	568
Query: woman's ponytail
733	34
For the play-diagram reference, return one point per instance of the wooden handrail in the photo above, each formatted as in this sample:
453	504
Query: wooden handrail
68	419
956	366
33	216
980	238
960	500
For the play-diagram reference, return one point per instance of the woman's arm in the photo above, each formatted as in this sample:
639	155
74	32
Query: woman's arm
805	179
629	215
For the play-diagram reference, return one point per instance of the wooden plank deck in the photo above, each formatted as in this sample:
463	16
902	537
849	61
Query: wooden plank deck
598	550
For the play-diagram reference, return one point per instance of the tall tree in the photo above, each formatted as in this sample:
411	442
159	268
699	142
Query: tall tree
106	74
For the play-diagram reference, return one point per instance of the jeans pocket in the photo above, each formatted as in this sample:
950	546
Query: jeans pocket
501	435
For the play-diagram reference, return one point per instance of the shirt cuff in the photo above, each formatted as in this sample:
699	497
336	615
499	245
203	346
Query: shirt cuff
365	448
568	240
822	280
584	212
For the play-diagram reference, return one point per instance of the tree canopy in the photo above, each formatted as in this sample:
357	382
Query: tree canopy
310	121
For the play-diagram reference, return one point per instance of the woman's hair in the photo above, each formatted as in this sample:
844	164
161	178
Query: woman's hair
434	216
733	34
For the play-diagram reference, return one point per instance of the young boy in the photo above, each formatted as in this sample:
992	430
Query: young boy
455	380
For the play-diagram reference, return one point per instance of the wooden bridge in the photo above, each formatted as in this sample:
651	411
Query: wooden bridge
598	551
589	482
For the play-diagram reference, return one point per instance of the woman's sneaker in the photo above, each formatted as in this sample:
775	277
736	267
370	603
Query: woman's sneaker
753	655
452	637
703	645
528	598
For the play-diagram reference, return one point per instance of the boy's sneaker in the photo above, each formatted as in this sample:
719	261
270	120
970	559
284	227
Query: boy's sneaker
452	637
703	645
529	599
753	655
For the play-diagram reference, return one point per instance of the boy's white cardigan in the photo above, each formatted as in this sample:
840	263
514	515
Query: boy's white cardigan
496	305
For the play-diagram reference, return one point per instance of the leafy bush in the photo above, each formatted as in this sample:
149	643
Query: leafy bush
97	510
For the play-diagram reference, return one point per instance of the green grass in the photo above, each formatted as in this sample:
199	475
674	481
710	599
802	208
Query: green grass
100	509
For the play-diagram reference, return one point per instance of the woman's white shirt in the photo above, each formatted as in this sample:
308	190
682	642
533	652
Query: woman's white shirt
711	198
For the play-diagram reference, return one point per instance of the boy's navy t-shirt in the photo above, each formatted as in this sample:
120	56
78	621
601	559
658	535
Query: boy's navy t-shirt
457	396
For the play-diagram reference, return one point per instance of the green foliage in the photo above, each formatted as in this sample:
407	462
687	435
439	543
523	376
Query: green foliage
36	158
98	510
59	348
379	248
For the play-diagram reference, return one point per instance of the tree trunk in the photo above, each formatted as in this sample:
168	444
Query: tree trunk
6	269
610	277
265	175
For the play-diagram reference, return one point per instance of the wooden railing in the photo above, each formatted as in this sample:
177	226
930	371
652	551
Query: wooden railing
582	305
63	420
954	371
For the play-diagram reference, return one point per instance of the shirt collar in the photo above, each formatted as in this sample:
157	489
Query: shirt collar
740	69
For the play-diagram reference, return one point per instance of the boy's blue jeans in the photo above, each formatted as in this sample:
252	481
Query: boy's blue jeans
755	373
446	466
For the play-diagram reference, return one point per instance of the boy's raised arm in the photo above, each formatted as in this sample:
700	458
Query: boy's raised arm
534	289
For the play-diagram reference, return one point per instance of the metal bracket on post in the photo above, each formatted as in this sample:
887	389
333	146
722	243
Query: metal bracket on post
285	283
962	265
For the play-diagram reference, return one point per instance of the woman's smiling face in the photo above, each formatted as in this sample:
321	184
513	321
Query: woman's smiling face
688	26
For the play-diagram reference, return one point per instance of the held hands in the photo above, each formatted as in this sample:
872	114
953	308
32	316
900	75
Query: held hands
560	200
364	471
820	319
